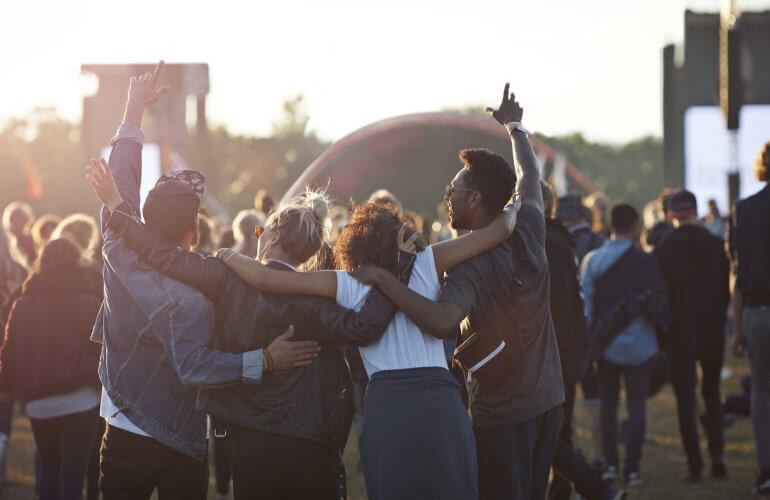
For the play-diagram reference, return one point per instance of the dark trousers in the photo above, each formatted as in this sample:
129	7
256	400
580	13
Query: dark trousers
65	444
684	378
133	466
571	467
637	381
590	382
92	475
275	467
514	460
222	448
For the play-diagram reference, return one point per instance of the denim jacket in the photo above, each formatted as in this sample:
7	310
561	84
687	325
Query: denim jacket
155	332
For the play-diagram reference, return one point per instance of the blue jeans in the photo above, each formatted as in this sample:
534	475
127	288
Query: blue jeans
637	382
514	460
756	325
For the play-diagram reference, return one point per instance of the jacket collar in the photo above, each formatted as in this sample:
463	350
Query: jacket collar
279	264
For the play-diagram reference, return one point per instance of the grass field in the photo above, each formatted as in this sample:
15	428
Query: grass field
663	465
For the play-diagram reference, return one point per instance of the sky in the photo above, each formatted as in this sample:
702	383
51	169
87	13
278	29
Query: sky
591	67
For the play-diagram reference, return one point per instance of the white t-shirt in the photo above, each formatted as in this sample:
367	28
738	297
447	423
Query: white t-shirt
403	345
111	414
77	401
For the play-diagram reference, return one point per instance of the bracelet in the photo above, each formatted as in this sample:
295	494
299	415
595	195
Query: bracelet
268	359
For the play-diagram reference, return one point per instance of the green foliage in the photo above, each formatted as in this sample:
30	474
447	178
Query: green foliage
632	172
415	164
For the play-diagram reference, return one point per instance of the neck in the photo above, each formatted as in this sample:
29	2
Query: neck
482	219
277	253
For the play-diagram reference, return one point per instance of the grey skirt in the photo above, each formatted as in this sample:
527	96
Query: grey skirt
417	441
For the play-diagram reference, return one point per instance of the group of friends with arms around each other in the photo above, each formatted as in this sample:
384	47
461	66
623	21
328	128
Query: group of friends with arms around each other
166	345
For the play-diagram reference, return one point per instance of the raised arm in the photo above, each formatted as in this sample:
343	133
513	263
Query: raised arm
450	253
207	274
320	283
126	156
509	114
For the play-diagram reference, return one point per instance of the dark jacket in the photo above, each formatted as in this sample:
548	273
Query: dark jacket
585	240
313	403
566	301
751	241
697	273
47	349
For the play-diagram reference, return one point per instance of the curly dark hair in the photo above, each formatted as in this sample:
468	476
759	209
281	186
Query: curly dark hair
491	175
370	237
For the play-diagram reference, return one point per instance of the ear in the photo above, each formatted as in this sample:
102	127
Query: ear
474	200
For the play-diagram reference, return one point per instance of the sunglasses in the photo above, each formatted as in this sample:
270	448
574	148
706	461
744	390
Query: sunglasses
258	230
450	190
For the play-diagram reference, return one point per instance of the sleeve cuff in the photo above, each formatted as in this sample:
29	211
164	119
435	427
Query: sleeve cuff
119	219
253	362
130	132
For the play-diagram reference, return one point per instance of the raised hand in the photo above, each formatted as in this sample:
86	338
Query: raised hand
145	89
411	244
286	354
509	110
100	177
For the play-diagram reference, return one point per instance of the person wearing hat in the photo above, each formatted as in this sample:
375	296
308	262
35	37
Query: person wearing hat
574	215
696	271
155	332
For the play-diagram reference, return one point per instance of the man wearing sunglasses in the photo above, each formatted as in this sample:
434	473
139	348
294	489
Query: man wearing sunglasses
504	294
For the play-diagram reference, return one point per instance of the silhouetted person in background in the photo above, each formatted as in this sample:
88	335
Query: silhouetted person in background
752	307
49	363
624	289
697	274
574	352
576	219
17	218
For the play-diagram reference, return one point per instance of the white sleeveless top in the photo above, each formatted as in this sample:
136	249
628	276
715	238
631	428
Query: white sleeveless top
403	345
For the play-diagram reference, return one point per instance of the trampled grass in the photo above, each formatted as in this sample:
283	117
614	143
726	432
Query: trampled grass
663	465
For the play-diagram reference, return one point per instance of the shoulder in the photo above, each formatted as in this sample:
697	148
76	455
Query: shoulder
185	297
531	217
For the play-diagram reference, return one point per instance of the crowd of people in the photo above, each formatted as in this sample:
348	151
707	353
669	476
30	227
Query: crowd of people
137	344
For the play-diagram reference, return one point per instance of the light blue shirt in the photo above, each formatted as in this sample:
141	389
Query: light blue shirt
638	342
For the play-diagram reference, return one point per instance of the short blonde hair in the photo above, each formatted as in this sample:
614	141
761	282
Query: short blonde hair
80	229
12	209
43	228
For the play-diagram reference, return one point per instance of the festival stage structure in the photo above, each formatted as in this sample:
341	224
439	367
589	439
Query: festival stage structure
416	155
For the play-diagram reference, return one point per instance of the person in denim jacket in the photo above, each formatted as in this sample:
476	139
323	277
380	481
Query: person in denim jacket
155	334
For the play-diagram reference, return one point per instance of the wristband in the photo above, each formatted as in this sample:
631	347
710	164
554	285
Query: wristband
511	126
268	359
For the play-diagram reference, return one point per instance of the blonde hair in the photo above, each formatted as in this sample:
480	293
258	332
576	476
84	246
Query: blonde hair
13	208
80	229
303	225
762	165
43	228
